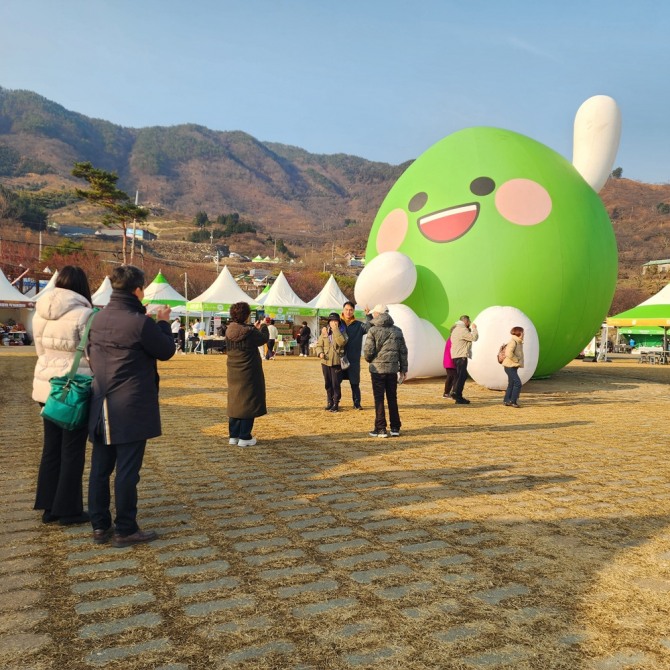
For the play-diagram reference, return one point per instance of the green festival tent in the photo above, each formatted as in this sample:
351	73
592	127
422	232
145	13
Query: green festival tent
654	311
159	292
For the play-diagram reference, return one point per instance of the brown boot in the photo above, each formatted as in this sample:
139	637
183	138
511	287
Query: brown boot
136	538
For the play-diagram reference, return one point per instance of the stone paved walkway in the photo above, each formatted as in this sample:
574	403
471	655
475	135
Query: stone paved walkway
484	537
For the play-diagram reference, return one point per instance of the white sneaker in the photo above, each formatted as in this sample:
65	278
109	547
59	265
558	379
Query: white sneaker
246	443
233	440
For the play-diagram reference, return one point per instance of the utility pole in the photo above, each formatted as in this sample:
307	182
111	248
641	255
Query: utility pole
132	244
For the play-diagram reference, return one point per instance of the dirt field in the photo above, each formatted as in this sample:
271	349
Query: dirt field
483	537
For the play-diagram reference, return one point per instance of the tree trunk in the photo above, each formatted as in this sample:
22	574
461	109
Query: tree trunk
123	245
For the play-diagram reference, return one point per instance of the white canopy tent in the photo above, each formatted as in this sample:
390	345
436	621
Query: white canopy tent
103	294
329	298
282	302
223	293
9	294
332	299
14	305
49	287
261	297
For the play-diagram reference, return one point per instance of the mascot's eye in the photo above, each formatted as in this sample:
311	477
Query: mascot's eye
417	202
482	186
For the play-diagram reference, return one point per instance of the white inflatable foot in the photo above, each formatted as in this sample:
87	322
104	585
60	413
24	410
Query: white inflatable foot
494	325
425	345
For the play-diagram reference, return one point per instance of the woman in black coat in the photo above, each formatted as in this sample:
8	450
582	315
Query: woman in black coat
246	382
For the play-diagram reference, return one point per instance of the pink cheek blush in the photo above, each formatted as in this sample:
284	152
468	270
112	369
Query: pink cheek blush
392	231
523	201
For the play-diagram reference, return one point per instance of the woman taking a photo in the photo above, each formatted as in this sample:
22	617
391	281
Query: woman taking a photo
246	382
59	324
512	362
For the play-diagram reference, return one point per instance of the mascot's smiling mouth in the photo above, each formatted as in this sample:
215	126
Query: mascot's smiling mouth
449	224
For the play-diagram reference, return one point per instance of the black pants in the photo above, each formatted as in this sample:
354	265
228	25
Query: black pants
385	385
304	348
271	350
59	487
461	375
332	376
355	388
450	380
240	428
127	459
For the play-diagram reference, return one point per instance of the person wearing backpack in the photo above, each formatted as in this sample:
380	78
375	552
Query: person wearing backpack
511	363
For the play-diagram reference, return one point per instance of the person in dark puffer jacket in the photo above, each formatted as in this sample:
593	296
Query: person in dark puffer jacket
386	351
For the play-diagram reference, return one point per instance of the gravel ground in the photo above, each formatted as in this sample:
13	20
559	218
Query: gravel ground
482	537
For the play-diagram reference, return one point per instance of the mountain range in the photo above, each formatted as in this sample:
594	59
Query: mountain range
189	168
309	198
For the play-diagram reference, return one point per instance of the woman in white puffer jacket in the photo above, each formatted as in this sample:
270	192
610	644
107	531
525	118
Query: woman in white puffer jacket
58	326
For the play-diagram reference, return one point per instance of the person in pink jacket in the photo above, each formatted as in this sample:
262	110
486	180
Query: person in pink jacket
450	367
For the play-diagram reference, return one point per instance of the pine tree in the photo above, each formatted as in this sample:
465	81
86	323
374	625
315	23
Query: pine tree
120	210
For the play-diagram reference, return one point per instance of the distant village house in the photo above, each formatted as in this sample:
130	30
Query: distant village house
654	267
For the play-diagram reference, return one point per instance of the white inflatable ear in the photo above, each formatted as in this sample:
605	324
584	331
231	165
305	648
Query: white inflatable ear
425	345
596	139
387	278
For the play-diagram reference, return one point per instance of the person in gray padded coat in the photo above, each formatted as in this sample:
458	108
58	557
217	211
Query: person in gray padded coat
386	351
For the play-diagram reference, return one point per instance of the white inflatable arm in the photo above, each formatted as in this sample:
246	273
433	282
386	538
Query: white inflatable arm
388	278
597	132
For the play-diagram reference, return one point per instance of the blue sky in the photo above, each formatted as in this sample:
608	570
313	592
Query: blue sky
380	79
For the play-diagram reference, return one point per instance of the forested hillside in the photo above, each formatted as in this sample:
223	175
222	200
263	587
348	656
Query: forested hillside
188	168
314	202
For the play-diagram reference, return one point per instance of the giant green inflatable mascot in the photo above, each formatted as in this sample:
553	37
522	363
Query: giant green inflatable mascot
495	225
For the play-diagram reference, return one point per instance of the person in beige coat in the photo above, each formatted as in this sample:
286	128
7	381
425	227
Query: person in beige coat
512	362
330	349
463	334
58	326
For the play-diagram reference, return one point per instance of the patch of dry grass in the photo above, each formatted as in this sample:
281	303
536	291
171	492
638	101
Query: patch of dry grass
531	538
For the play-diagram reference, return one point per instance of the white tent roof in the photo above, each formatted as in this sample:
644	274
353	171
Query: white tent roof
159	292
262	296
330	297
220	295
49	287
281	299
660	298
9	293
103	294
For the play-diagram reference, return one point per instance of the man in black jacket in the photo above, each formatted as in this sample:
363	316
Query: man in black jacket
124	345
